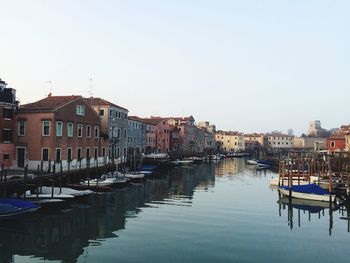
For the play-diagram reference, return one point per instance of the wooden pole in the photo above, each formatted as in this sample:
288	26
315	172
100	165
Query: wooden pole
329	174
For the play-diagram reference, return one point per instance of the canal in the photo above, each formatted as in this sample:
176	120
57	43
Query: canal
222	212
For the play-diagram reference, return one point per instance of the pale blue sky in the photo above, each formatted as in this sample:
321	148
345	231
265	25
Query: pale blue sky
244	65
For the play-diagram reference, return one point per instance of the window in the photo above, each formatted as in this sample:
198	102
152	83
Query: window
45	154
80	150
46	128
96	153
118	152
119	114
332	144
102	112
80	110
125	116
58	155
8	113
80	130
21	128
70	127
6	156
125	133
97	131
59	128
7	135
110	113
69	154
118	133
103	152
87	153
88	131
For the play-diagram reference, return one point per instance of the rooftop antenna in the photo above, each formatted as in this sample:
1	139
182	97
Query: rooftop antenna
90	87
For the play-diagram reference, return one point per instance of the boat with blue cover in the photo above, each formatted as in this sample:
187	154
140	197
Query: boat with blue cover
264	163
308	192
12	207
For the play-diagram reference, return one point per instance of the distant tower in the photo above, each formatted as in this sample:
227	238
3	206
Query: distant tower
290	132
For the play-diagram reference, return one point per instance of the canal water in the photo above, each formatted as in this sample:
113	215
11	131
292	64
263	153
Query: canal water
222	212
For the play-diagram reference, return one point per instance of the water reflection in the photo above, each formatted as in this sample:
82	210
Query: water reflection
297	209
63	235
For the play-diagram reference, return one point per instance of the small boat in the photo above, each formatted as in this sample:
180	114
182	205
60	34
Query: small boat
12	207
252	162
103	182
308	192
239	155
156	156
182	162
295	181
33	195
132	176
264	163
65	190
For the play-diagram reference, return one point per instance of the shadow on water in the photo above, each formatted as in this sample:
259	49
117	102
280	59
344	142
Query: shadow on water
63	235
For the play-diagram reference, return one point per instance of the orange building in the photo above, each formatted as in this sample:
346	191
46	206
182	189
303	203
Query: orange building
59	129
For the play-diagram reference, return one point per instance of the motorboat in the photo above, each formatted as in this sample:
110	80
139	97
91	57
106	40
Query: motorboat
64	190
252	162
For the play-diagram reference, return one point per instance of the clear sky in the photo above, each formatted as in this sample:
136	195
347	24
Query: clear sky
243	65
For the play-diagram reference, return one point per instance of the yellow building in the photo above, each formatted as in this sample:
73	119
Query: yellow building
230	141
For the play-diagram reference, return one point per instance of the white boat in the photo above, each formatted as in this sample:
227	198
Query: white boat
132	176
183	162
49	196
306	192
100	182
156	156
65	190
252	162
295	181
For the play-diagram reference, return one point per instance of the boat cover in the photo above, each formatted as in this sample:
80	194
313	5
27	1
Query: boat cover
308	189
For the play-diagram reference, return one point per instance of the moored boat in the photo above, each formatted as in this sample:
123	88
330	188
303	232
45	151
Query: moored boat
252	162
13	207
308	192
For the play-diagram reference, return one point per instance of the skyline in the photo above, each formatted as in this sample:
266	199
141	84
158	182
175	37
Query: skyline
250	67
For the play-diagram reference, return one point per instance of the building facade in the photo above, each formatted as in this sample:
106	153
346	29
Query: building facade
310	143
210	131
136	135
256	137
59	130
279	141
8	106
114	125
229	141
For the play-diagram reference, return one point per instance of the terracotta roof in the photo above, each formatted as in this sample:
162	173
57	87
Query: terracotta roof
49	103
278	135
173	118
253	135
102	102
135	118
228	133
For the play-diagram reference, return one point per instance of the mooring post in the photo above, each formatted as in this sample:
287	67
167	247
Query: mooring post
2	171
49	168
25	181
37	181
60	177
52	187
68	175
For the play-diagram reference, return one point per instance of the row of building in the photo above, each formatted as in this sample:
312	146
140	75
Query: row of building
77	132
